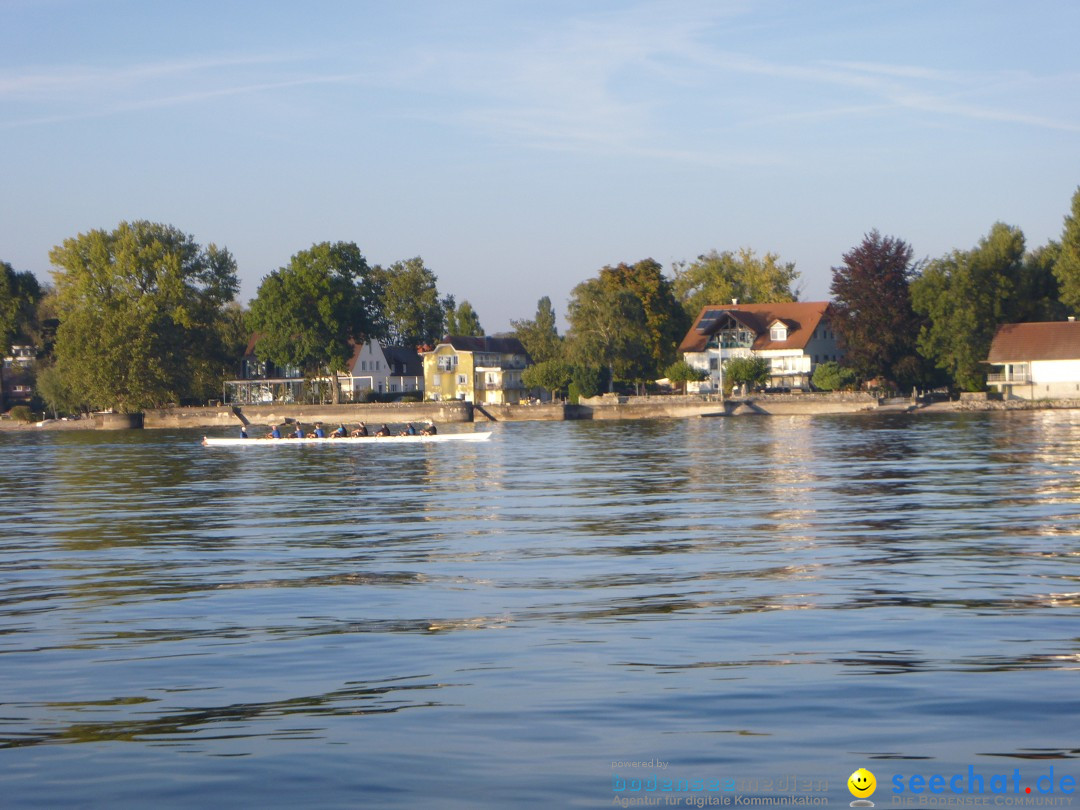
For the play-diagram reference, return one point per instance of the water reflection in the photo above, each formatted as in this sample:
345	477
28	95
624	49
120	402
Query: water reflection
609	588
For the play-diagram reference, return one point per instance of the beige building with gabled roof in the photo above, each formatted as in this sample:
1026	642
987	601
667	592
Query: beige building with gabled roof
794	337
1036	360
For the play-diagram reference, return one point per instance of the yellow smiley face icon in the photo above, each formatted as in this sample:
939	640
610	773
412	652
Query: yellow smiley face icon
862	783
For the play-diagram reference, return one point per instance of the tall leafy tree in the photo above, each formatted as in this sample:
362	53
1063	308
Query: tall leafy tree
1067	264
664	321
415	314
20	294
716	278
309	313
138	309
627	320
964	297
464	321
607	328
874	317
539	336
1038	291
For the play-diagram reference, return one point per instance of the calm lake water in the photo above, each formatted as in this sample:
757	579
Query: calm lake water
755	606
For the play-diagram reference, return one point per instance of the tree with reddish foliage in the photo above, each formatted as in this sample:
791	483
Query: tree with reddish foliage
873	313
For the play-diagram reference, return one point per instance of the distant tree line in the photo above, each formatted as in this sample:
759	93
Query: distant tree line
143	315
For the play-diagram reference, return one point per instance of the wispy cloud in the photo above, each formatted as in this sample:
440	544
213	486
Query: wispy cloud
71	93
664	82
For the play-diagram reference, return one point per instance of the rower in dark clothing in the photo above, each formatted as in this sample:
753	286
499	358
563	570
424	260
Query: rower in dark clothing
383	431
360	431
429	429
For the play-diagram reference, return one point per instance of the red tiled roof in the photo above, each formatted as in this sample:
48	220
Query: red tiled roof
1022	342
801	318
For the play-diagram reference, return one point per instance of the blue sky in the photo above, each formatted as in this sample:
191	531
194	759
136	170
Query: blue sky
518	147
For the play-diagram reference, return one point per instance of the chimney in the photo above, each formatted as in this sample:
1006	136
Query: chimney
1072	319
734	302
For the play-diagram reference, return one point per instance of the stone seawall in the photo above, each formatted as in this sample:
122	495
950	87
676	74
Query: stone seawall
261	415
611	407
674	407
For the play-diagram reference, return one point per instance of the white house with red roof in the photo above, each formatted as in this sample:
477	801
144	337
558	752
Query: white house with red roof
1036	360
794	337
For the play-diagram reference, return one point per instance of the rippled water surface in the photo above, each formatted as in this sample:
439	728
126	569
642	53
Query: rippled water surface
497	625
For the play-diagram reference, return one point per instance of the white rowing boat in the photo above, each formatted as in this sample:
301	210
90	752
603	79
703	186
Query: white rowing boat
209	441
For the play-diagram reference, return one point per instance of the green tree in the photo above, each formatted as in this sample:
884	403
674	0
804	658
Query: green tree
665	322
587	381
873	312
964	297
415	313
831	376
716	278
607	328
682	372
627	320
748	371
540	336
56	393
20	294
310	313
1067	265
551	375
1038	293
138	309
463	321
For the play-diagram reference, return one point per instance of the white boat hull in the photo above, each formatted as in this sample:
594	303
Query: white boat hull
209	441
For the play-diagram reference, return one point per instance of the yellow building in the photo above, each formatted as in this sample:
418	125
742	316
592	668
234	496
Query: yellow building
485	370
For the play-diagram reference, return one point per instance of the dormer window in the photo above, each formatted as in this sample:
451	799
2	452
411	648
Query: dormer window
778	331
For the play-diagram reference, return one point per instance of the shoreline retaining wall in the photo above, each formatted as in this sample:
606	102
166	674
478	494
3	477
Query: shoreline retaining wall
265	415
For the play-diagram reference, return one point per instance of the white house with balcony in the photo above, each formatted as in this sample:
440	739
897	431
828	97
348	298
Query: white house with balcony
794	337
372	367
1036	360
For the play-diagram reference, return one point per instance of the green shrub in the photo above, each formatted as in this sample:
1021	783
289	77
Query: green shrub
831	376
682	372
21	413
748	371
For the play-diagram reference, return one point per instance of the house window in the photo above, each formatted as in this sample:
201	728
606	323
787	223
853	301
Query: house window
462	379
436	380
363	365
778	332
714	363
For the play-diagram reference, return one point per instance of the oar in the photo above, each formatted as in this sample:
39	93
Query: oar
240	415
